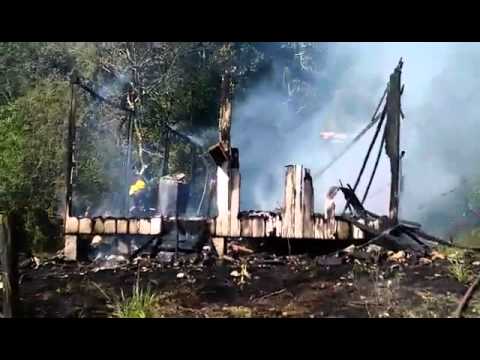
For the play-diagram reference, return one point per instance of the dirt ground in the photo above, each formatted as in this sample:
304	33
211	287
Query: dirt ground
362	284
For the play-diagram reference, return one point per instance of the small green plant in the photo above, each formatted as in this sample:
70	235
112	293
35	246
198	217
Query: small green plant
459	270
141	304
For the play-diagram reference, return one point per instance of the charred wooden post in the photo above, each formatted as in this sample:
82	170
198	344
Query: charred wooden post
308	205
297	212
222	155
71	252
288	211
9	262
298	195
392	139
235	181
225	116
219	245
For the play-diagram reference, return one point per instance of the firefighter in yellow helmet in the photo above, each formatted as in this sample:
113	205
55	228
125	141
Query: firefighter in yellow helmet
138	192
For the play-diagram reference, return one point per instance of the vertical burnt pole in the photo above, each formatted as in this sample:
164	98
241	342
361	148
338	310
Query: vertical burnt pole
70	148
392	139
225	116
71	245
222	155
9	270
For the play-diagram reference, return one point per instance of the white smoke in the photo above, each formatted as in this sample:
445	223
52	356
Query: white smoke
439	133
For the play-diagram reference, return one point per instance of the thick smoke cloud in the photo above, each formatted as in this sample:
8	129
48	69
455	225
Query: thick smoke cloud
439	133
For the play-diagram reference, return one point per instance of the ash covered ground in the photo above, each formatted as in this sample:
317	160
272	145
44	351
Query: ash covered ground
367	283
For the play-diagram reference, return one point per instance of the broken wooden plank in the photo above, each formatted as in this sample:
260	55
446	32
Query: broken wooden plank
98	227
288	211
308	206
85	226
241	249
110	226
71	225
374	232
156	226
133	225
144	227
122	226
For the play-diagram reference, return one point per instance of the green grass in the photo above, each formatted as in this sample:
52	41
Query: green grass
459	270
141	304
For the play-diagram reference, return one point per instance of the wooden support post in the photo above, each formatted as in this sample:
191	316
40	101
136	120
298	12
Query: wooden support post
298	195
308	205
288	211
235	194
69	164
70	250
392	139
223	192
219	245
9	262
297	212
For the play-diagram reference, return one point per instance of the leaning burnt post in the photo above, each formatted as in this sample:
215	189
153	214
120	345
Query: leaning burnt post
9	270
71	241
392	139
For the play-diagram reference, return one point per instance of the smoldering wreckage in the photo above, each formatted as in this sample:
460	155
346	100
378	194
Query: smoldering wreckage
157	233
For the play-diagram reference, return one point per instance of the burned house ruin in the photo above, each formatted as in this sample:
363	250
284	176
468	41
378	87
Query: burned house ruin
297	218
